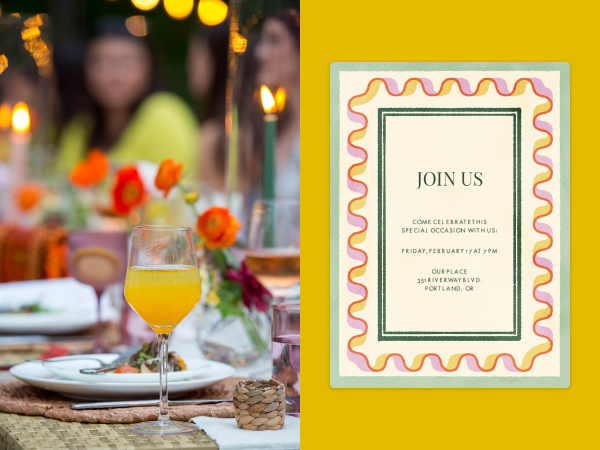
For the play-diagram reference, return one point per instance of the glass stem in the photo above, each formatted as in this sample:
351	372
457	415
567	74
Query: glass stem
163	344
98	334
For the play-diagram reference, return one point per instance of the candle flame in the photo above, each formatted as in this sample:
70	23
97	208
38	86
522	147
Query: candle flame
20	118
268	102
280	99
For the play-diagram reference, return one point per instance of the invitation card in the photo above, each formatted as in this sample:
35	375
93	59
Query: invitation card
450	224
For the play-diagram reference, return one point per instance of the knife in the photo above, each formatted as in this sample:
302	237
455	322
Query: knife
127	404
124	357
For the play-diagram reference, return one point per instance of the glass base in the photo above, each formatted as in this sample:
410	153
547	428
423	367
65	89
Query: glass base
164	428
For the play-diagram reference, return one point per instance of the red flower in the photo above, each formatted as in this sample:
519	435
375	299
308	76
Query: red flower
128	192
253	293
218	228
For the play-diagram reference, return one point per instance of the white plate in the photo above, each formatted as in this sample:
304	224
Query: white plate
69	370
73	306
37	375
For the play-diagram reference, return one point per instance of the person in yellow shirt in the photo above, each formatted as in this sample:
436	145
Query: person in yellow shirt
127	118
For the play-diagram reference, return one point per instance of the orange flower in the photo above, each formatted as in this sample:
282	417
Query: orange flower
218	228
168	175
128	191
28	196
91	170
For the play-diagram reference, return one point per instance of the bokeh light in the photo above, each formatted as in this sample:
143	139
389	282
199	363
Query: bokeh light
34	45
238	43
268	101
3	63
5	116
35	21
212	12
179	9
144	5
30	33
136	25
20	118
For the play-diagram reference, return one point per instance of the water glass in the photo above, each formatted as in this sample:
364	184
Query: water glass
286	353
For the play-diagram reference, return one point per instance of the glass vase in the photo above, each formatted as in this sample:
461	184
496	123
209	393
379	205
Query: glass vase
234	339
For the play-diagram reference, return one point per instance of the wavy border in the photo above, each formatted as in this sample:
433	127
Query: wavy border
358	237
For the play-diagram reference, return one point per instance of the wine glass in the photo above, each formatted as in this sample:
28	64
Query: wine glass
162	286
274	245
97	258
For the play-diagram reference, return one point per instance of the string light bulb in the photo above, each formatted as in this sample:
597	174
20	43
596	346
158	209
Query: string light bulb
179	9
212	12
145	5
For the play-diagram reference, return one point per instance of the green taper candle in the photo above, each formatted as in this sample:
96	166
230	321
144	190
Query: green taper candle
269	165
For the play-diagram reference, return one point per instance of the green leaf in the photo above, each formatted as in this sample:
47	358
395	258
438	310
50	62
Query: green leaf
230	286
220	260
230	310
230	294
231	259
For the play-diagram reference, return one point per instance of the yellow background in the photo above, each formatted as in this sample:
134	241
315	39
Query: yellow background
389	30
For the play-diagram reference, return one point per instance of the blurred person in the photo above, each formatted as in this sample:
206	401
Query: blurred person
207	81
127	117
278	57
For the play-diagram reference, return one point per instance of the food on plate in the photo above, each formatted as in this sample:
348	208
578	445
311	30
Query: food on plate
146	361
126	369
29	308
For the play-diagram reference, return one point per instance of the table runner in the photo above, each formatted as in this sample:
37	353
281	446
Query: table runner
18	397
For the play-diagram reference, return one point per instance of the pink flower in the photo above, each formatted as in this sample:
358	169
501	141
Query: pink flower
253	293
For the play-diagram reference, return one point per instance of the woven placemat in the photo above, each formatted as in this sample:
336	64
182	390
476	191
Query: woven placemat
33	433
20	398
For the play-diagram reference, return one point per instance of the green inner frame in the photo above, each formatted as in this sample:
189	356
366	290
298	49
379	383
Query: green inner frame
515	333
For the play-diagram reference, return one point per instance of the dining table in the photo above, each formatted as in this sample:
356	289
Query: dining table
31	432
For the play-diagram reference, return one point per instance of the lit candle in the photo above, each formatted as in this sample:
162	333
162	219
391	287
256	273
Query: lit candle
270	137
19	142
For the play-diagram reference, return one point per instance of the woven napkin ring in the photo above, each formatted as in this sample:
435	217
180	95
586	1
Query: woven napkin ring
259	404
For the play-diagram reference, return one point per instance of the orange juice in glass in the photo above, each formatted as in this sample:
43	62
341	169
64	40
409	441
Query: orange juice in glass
147	289
162	286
